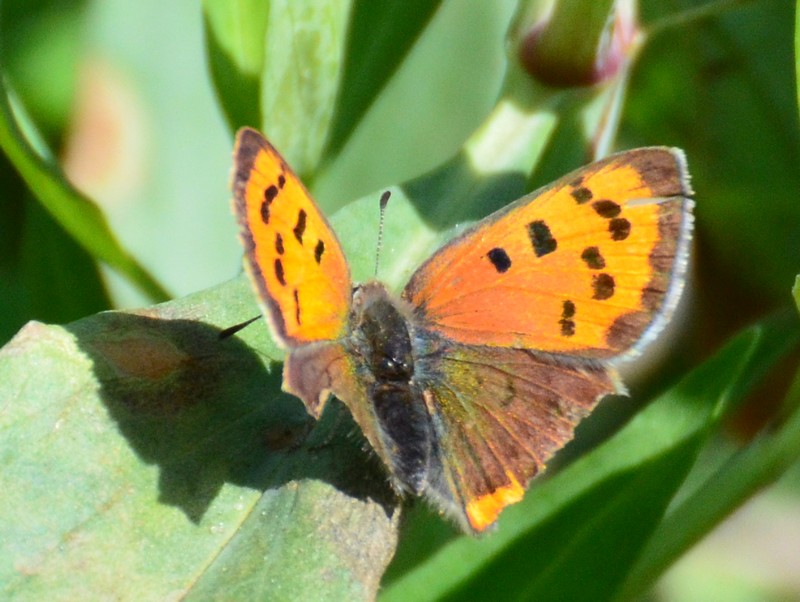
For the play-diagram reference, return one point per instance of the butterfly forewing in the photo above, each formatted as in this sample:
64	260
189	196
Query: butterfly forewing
583	266
291	252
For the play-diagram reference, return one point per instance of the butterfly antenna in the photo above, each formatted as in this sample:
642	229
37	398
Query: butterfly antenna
232	330
384	201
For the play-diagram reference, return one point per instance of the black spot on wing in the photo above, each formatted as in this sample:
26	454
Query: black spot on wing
566	321
582	195
541	238
620	228
297	307
269	195
606	208
319	250
500	259
300	226
279	272
603	285
279	243
593	259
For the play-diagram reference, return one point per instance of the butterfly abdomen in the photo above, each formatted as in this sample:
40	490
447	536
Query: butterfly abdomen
382	341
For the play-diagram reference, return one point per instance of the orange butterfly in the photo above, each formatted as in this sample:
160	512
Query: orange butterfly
500	343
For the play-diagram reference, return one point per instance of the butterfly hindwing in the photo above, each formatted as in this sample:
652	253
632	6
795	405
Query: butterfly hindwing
500	415
584	266
291	253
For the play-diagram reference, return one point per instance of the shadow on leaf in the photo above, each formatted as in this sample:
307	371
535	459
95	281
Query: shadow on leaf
207	412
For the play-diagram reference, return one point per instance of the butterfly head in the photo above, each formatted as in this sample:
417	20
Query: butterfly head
381	333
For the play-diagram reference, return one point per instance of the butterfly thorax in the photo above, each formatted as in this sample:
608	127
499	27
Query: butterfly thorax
382	341
383	334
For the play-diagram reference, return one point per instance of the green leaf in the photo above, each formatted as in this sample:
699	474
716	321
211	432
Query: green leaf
301	76
143	457
41	266
235	40
743	475
463	50
379	37
575	536
719	89
43	43
76	213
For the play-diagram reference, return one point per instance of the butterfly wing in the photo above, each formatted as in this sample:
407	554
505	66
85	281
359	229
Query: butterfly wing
584	266
523	311
291	253
499	415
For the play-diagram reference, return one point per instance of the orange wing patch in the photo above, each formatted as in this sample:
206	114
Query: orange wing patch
291	252
583	266
483	511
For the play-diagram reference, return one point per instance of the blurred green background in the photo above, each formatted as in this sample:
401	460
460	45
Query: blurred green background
133	102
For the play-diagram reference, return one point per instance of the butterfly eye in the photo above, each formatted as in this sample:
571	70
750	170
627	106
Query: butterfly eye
388	366
392	368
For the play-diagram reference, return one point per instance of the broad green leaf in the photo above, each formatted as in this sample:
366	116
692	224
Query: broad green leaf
575	536
379	37
75	212
446	83
235	40
301	76
143	457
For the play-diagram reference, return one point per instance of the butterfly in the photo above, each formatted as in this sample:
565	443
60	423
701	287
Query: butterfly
501	342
